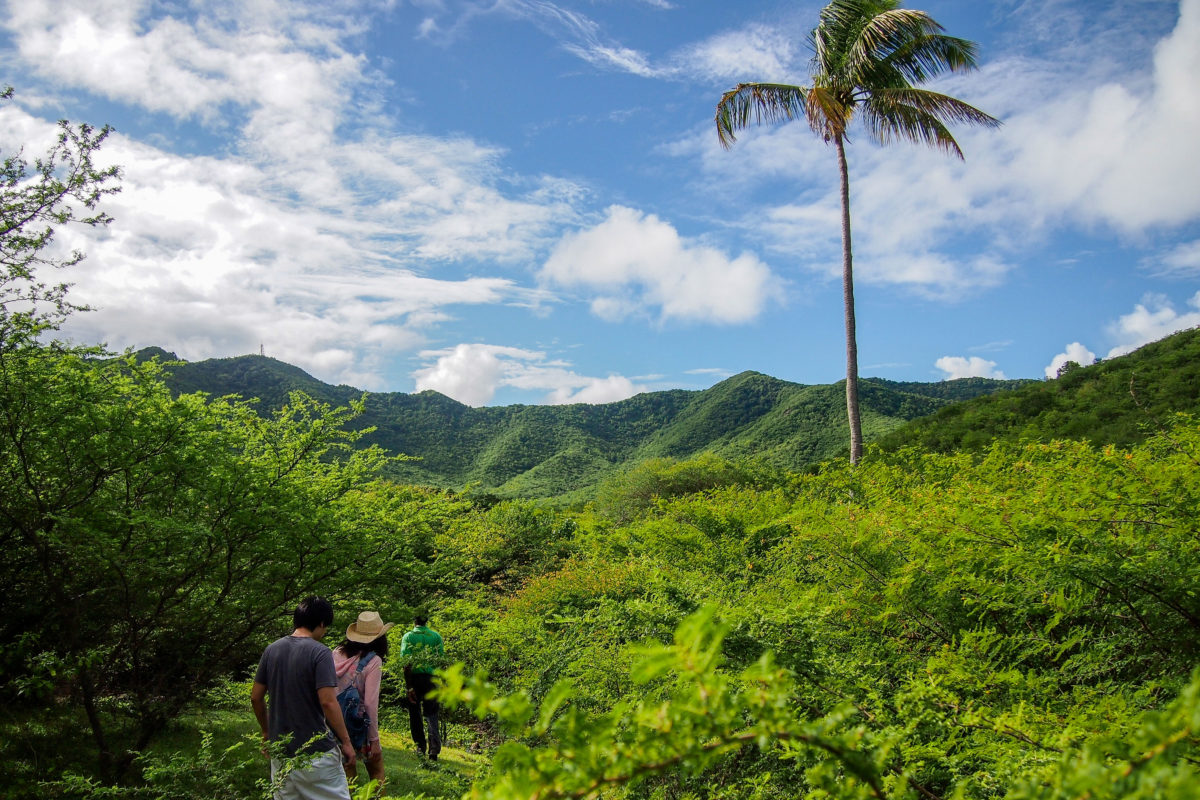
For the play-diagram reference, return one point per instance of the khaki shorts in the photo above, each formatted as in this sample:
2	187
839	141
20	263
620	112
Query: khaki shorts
324	779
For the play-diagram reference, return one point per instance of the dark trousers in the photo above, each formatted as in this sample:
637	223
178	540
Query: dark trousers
419	685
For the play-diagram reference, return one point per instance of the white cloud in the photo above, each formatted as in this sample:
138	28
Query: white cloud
636	261
754	53
203	261
785	153
991	347
1183	260
973	367
427	28
1151	320
471	374
1075	352
276	69
620	58
279	74
298	238
931	274
1114	147
597	390
579	35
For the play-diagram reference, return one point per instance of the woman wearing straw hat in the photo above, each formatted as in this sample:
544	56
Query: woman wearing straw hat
365	640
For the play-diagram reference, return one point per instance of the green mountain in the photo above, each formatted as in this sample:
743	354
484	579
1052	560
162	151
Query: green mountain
1119	401
543	451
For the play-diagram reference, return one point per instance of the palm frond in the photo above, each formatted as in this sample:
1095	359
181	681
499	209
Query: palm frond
943	106
882	35
924	58
911	125
918	115
757	103
874	55
828	116
841	23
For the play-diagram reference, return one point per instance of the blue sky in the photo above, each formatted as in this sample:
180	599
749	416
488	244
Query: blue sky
524	201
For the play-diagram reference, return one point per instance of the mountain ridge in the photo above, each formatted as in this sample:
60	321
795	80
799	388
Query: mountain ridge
544	450
561	451
1115	401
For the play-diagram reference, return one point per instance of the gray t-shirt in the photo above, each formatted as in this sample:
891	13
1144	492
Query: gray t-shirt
292	669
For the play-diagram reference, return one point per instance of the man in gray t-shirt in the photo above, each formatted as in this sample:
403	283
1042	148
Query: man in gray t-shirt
296	673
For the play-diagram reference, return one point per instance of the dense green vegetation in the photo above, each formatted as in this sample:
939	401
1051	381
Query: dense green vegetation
552	451
1023	622
1025	625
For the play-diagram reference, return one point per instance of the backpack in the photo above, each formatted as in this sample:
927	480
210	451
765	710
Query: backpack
354	709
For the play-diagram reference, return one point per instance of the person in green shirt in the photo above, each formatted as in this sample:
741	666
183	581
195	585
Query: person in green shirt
422	650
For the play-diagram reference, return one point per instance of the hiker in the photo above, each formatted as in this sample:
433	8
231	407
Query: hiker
366	642
423	646
296	673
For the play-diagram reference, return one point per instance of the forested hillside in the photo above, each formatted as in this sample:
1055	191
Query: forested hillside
543	451
548	451
1118	401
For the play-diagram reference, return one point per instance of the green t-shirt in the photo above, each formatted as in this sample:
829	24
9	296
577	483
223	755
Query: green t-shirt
422	643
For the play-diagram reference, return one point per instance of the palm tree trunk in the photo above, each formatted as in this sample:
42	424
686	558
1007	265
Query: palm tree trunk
856	440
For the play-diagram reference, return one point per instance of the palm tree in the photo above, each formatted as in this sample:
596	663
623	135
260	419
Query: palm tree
869	56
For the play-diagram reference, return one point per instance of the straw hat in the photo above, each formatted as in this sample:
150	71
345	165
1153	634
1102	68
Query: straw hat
370	626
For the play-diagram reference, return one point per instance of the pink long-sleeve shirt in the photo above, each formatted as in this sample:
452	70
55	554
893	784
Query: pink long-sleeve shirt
345	666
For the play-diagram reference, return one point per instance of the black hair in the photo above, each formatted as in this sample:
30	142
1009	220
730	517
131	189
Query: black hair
378	646
312	613
420	618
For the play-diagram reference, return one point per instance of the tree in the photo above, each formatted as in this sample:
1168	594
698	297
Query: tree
153	544
63	186
1067	368
869	56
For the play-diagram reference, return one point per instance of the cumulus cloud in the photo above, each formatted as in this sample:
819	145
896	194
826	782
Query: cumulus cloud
471	374
1075	352
1113	148
207	260
1151	320
280	75
973	367
596	390
274	72
636	261
297	238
